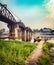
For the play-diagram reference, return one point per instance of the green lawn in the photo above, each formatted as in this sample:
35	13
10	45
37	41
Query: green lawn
15	52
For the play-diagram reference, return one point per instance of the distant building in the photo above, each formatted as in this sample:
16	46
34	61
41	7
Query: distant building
45	33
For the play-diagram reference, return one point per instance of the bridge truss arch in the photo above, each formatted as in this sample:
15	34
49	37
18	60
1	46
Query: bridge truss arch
4	12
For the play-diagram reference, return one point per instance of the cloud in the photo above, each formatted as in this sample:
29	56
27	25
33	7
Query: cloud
48	20
50	6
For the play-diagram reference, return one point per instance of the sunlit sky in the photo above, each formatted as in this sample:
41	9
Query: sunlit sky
34	13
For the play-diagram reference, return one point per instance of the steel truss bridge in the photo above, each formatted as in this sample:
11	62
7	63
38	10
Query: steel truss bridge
14	26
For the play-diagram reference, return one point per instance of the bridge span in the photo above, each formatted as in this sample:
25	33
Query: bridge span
17	30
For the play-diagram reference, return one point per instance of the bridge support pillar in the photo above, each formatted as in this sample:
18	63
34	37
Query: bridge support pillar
30	36
24	35
13	31
27	35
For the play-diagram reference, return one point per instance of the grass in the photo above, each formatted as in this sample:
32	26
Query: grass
45	58
15	52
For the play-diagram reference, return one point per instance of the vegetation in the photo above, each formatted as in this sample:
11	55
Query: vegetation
50	45
45	58
1	31
14	52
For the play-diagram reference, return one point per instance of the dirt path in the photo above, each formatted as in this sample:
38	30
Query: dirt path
33	58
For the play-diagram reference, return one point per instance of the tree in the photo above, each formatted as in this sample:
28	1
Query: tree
1	31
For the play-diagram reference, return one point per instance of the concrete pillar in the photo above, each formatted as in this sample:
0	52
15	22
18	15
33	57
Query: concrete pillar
13	31
24	35
16	31
28	35
19	34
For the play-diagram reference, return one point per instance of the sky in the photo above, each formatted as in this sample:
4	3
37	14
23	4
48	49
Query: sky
33	13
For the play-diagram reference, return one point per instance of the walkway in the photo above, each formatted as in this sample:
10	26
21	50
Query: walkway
33	58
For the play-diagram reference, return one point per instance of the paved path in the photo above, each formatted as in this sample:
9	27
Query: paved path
33	58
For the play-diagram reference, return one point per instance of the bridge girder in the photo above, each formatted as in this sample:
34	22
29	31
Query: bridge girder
5	15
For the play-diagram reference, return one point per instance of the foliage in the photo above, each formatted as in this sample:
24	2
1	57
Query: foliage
45	59
14	52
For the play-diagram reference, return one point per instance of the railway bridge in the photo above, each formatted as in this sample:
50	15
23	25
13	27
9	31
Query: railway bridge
17	30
